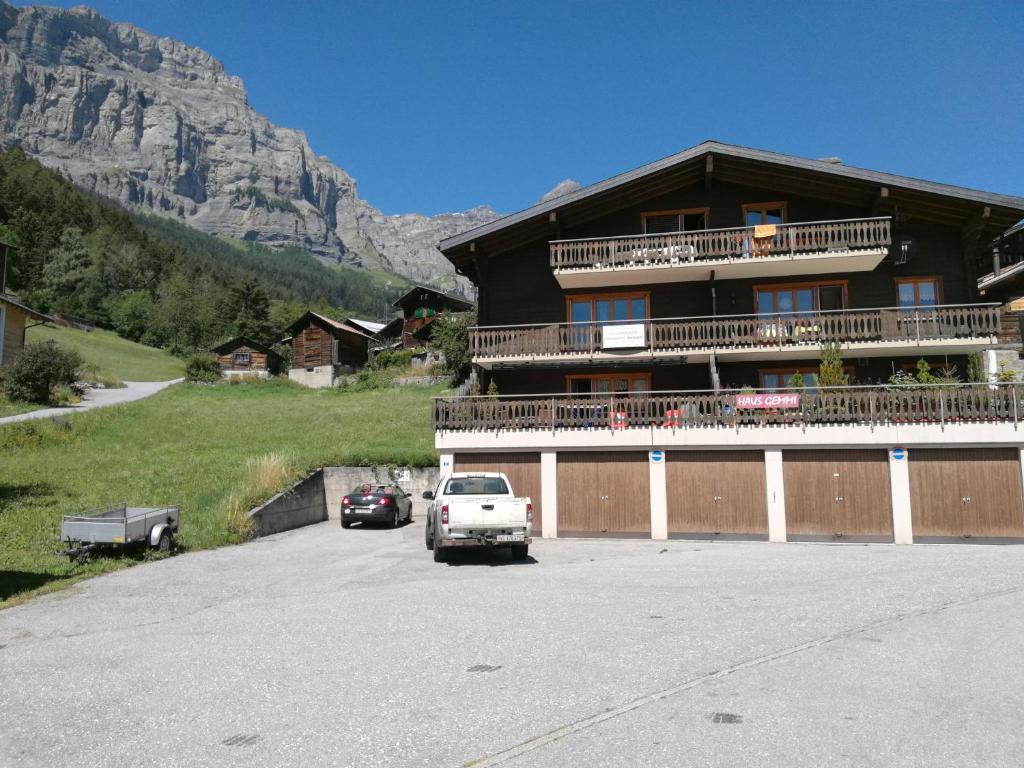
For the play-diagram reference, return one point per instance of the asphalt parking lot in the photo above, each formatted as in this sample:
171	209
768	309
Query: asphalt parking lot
353	648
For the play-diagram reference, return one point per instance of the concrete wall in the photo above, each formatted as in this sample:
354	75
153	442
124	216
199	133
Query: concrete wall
302	504
317	378
340	480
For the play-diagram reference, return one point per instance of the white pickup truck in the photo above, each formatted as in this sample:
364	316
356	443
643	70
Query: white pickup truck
477	509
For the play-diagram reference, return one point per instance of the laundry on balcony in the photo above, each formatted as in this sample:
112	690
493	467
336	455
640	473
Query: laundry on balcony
761	242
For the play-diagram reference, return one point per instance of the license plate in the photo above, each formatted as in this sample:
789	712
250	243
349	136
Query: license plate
509	537
361	510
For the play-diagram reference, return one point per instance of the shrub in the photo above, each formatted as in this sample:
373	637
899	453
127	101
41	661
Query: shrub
796	381
450	333
202	368
1005	374
264	477
399	358
976	369
38	370
830	372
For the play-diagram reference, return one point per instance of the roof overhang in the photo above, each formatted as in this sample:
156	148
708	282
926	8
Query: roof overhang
6	299
942	203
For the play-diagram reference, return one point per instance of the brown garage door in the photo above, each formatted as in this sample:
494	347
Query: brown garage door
522	470
604	494
966	493
716	493
834	494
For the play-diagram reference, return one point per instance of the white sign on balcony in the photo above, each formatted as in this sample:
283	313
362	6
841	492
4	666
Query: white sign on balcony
623	336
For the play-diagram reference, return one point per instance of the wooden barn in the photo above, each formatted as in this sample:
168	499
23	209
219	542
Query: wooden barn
14	315
244	357
324	348
420	307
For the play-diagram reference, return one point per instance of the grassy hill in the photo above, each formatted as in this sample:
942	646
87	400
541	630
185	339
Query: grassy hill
110	356
191	445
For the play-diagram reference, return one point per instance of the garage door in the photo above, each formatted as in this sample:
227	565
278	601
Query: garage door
837	495
604	494
966	493
522	469
716	493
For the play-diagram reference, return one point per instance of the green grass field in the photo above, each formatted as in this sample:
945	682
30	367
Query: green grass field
190	445
14	407
112	357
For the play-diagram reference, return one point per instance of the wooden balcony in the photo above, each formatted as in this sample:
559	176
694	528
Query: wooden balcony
956	329
820	247
844	406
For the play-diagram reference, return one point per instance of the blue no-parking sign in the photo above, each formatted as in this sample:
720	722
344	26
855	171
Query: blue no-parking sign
657	457
898	453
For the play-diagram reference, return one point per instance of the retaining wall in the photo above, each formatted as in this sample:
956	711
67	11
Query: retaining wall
340	480
302	504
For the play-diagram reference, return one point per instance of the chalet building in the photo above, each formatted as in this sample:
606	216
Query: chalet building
420	307
645	334
15	315
244	357
324	348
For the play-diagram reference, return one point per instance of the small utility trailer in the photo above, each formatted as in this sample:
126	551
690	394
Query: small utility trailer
119	524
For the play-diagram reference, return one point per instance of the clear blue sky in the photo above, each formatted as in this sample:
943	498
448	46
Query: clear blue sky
440	106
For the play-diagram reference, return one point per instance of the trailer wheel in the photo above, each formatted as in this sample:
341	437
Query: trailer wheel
166	542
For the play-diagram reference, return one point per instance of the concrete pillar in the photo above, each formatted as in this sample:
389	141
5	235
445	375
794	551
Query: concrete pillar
447	463
659	498
899	481
549	493
776	492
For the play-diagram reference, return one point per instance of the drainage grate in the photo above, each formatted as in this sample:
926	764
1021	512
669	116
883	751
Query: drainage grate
725	717
483	668
240	740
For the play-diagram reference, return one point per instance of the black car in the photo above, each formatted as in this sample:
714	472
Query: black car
376	504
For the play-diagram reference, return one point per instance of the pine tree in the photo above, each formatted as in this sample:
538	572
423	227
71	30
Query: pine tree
830	372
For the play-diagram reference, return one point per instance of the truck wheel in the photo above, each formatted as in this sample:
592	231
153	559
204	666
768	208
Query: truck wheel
428	539
440	553
346	524
520	551
166	542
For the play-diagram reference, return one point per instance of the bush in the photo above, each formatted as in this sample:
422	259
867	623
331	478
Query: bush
399	358
830	372
450	333
202	368
38	370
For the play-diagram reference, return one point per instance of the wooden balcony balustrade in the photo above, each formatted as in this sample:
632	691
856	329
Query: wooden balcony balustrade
976	321
711	245
932	404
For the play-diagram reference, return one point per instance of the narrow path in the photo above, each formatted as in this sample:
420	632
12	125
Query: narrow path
98	398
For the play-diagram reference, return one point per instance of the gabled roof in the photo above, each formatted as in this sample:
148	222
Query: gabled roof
242	341
736	164
455	303
366	325
8	299
331	323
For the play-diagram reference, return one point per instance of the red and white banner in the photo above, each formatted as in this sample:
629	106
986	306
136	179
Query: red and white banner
769	400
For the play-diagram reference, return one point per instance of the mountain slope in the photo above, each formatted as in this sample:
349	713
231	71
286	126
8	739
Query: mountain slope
159	125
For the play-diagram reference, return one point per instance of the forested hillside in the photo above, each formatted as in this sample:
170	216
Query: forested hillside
157	281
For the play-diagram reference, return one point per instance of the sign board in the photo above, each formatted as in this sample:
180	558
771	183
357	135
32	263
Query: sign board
769	400
899	453
446	463
657	457
623	336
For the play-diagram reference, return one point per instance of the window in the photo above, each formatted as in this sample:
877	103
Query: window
764	213
683	220
917	291
606	308
799	297
608	383
242	358
780	378
476	486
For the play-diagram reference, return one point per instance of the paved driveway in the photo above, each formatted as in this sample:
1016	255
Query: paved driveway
336	648
98	398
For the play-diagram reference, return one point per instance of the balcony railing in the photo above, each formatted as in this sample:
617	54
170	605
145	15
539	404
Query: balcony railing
932	404
893	324
714	245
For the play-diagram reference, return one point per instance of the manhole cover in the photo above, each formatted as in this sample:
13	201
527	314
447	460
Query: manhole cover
483	668
725	717
240	740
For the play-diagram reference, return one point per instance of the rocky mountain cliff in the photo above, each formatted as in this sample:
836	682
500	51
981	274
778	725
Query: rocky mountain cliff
159	125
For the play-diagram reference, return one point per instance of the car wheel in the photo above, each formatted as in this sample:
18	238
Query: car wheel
520	551
394	520
165	542
346	524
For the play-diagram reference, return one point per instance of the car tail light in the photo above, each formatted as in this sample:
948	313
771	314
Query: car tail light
385	501
529	513
345	502
444	514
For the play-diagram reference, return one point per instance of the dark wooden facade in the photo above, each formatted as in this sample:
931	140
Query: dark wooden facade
242	355
319	341
421	306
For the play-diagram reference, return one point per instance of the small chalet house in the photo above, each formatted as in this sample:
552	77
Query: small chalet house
323	349
14	315
244	357
420	307
645	334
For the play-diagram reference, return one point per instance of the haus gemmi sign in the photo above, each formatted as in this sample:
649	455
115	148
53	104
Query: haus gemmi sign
769	400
